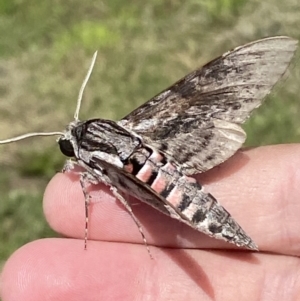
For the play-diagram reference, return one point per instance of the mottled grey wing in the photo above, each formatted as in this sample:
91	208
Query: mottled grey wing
197	120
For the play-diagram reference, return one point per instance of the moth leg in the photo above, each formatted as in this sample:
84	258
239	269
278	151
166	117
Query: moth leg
128	208
85	180
69	165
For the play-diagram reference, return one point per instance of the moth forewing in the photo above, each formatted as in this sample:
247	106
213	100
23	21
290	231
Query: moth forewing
190	127
226	89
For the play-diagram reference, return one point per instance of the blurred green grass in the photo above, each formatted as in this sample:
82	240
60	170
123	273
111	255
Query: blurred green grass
45	50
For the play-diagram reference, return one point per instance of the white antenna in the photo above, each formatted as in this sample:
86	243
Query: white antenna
21	137
83	86
14	139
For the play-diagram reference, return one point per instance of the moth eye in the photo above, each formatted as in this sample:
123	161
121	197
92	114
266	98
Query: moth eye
66	148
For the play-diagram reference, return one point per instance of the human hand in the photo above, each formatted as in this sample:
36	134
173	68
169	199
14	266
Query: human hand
259	187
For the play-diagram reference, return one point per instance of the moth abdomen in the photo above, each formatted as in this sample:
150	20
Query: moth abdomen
186	197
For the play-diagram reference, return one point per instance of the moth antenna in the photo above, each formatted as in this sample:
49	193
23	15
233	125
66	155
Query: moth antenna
14	139
83	86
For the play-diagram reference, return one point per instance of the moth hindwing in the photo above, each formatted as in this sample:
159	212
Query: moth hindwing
188	128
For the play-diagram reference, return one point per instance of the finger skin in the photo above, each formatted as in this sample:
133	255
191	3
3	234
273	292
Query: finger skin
259	187
59	269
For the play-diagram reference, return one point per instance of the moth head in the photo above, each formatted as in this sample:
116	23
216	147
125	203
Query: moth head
66	146
67	142
65	138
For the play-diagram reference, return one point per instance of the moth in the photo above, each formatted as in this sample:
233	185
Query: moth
189	128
